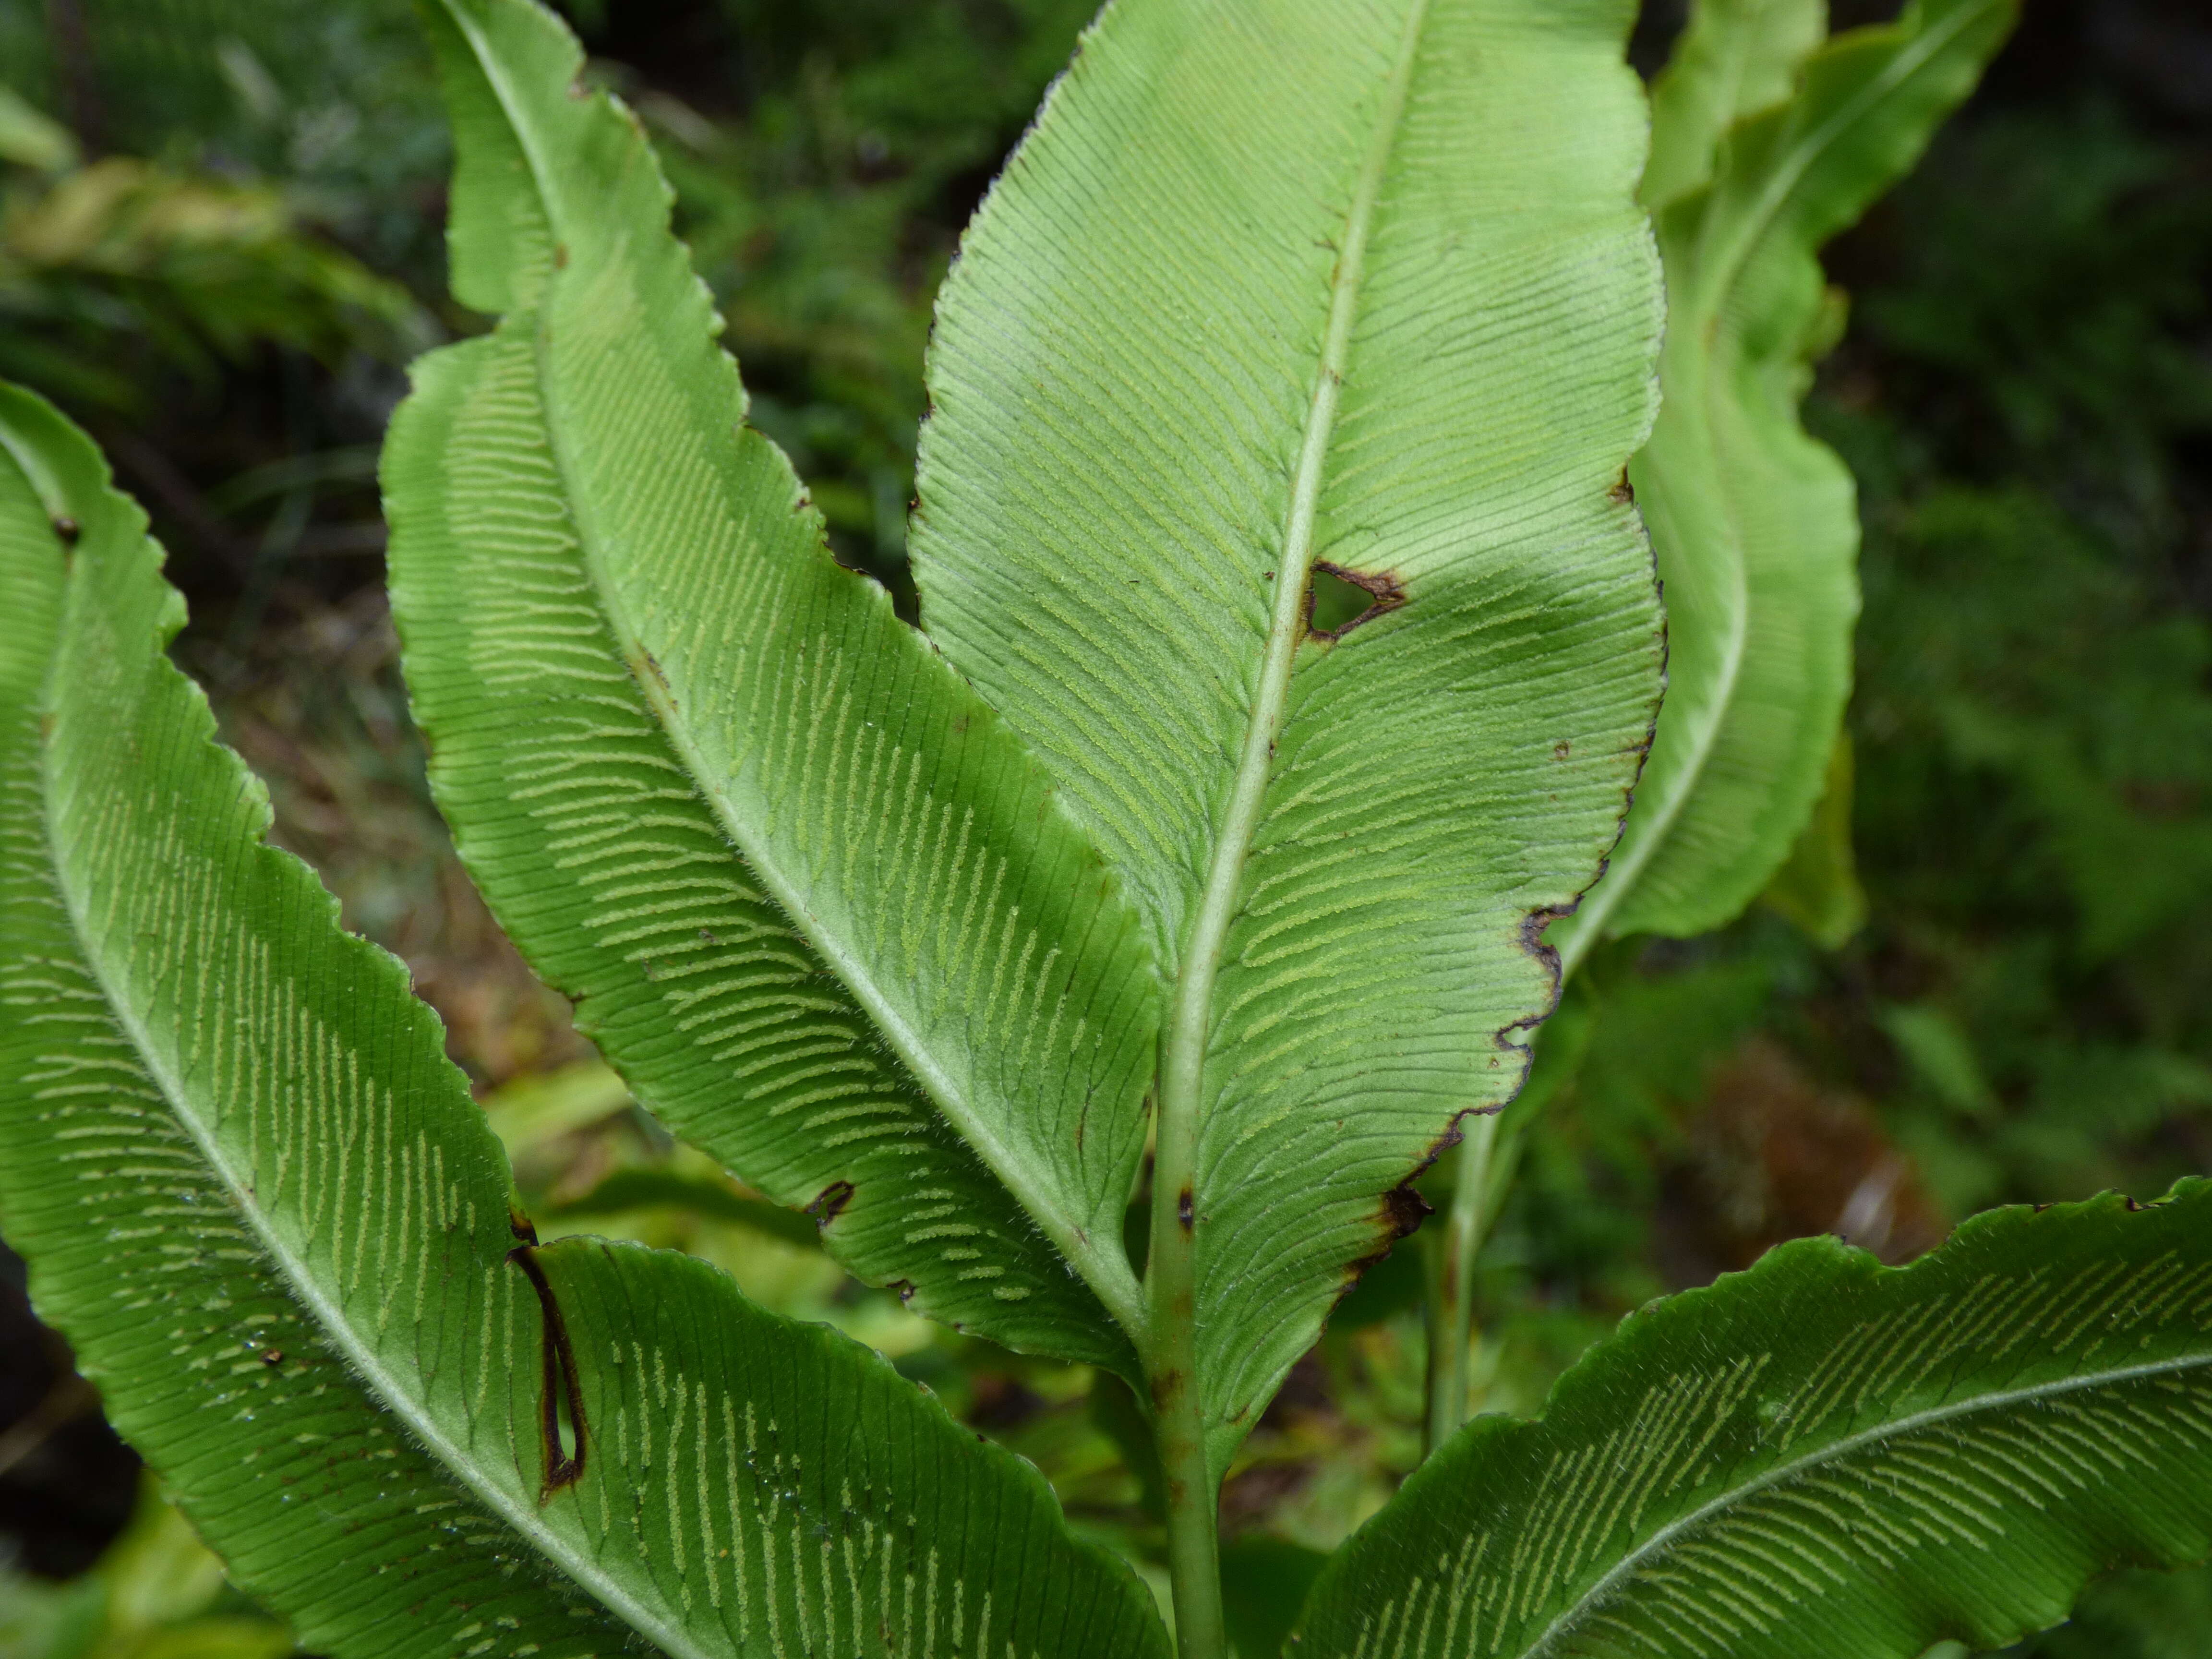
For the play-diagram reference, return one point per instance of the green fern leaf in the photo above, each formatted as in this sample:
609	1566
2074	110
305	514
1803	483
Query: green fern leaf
206	1358
1273	298
1734	58
1754	521
1817	886
711	786
260	1202
1823	1458
572	810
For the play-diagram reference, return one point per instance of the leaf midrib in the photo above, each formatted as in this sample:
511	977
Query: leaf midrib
1105	1271
1627	871
1190	1012
1564	1624
329	1315
1739	64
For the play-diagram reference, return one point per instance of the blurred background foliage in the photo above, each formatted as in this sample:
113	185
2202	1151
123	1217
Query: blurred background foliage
220	244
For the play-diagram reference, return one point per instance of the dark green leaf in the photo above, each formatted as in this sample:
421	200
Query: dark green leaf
1824	1458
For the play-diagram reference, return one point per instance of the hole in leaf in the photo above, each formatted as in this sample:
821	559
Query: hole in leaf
1337	600
568	1436
829	1203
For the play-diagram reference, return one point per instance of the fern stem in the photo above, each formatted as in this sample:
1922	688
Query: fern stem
1451	1286
1170	1353
1193	1515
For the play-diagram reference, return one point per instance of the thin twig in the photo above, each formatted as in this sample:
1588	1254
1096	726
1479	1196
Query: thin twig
70	1398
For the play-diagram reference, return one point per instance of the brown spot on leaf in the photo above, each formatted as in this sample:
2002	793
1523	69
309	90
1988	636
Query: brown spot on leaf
272	1356
1533	942
829	1203
559	1384
1183	1208
1404	1209
1384	594
560	256
1623	493
66	528
645	666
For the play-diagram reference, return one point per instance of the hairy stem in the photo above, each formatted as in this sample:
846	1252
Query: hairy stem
1172	1348
1451	1286
1194	1514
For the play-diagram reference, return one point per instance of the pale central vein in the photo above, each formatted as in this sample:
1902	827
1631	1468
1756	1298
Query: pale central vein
1190	1013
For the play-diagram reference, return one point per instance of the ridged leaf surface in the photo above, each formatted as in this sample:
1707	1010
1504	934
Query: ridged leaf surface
1823	1458
574	810
205	1358
1755	523
819	906
1275	286
260	1202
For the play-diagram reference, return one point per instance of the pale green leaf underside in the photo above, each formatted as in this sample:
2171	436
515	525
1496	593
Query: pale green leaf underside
878	807
1755	523
1734	58
1140	433
260	1201
573	813
1824	1459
